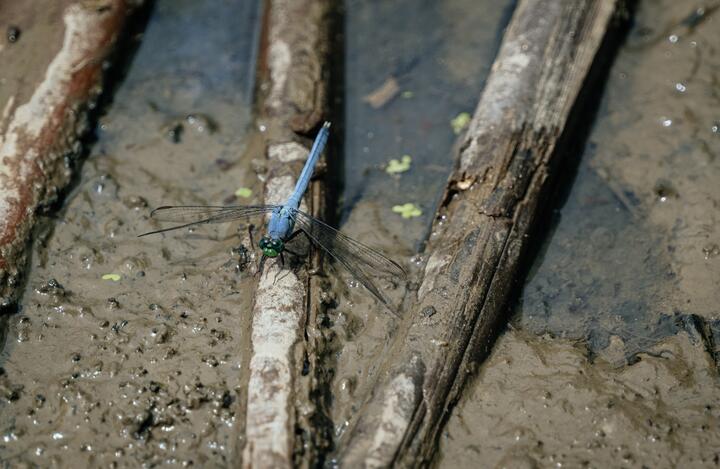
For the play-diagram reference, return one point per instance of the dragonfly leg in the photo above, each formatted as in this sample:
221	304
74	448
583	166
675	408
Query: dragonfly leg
251	227
315	271
262	265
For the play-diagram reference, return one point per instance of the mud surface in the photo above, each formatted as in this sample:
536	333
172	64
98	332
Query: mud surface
132	351
539	402
26	53
128	350
612	355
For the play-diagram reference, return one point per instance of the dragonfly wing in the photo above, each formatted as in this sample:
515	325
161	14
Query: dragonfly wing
362	261
191	215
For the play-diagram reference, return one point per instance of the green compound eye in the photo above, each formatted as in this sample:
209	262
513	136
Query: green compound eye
270	252
271	247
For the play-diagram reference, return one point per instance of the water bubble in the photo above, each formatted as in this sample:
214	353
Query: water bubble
673	38
664	190
711	250
680	87
667	122
417	259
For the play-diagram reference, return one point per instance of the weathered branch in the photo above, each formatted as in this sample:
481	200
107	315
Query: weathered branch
491	202
40	127
294	85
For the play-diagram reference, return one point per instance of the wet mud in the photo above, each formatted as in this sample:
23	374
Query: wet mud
539	402
128	351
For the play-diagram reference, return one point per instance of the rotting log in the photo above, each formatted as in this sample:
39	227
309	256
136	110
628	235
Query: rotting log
517	135
293	90
44	117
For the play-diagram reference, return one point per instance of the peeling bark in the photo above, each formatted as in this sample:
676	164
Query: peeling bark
491	203
38	135
293	89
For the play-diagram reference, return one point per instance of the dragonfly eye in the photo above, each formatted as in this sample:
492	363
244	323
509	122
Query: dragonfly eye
271	247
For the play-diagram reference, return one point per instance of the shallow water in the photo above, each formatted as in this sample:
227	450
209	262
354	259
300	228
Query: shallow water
631	251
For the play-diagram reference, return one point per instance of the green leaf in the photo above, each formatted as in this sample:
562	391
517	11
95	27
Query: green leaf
243	192
460	122
113	277
399	166
407	210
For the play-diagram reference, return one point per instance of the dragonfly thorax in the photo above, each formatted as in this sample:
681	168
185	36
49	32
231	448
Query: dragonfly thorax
271	247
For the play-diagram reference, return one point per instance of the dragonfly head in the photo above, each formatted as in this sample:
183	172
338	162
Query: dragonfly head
271	247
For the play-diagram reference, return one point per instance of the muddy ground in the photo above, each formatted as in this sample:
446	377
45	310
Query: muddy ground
133	351
128	350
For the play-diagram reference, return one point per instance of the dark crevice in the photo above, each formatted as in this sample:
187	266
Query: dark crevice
321	435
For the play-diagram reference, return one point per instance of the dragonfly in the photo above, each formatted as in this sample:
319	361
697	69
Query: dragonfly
287	221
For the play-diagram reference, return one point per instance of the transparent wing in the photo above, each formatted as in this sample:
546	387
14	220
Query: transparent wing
363	262
191	215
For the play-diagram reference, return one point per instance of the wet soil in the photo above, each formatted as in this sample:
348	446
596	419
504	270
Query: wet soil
539	402
129	351
611	359
132	351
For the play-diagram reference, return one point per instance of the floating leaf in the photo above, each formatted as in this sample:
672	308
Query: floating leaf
407	94
113	277
460	122
407	210
399	166
243	192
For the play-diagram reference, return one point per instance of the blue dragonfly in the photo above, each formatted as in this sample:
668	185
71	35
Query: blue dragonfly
287	221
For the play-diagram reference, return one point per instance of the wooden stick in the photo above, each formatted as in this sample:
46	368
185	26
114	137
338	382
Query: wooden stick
41	127
491	203
293	86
